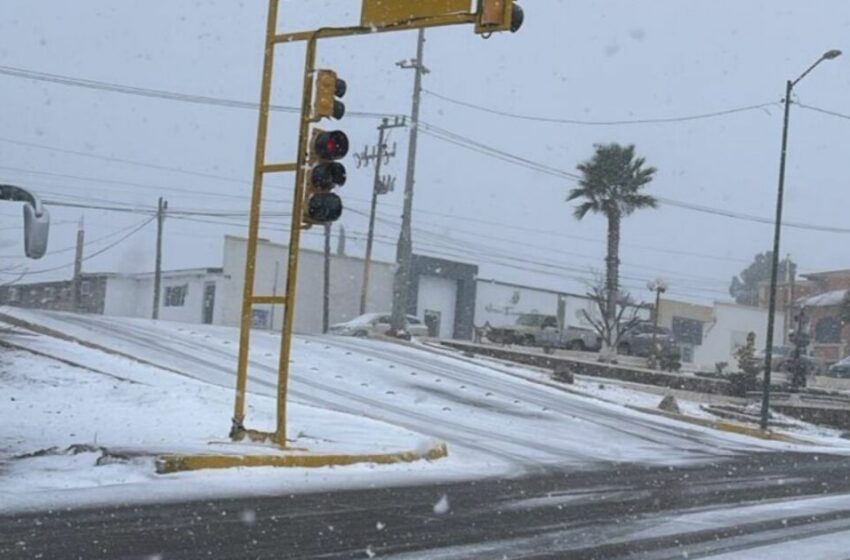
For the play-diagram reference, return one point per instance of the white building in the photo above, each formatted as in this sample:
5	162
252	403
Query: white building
708	335
346	284
500	303
188	296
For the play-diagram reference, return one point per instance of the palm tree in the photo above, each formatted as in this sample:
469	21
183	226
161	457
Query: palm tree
611	184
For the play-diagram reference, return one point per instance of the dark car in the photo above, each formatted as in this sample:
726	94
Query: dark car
637	341
840	368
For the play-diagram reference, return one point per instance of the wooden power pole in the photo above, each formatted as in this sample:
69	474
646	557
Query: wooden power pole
77	285
162	206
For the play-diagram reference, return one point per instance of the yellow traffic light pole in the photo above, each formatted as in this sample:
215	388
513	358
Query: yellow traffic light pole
261	168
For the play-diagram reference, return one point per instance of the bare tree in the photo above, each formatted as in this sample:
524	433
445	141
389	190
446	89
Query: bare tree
610	324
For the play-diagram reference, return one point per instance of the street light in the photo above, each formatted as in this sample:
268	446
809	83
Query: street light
658	286
774	268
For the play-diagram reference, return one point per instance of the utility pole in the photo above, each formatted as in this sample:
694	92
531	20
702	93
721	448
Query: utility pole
162	206
404	251
77	285
326	295
381	185
788	299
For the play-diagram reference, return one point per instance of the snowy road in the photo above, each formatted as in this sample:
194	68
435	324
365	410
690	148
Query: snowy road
775	505
490	417
532	471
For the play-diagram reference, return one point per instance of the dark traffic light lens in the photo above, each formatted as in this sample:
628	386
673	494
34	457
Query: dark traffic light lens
339	110
517	17
340	88
328	175
324	207
331	145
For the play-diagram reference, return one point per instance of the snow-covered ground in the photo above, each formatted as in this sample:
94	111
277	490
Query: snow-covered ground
346	395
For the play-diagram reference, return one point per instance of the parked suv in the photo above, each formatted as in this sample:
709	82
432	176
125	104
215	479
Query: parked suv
637	341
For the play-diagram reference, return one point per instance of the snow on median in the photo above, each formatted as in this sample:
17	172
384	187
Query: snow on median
71	436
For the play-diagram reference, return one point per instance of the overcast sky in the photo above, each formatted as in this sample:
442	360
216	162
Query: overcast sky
610	60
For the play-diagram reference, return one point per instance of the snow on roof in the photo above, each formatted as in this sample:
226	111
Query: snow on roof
825	299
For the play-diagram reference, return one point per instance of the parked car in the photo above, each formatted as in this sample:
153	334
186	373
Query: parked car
637	341
376	324
538	329
782	357
840	368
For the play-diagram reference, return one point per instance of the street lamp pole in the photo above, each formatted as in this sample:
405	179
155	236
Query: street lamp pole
659	287
774	266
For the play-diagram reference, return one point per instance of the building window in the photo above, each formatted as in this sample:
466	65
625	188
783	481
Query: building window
175	296
13	295
260	319
687	331
828	331
85	287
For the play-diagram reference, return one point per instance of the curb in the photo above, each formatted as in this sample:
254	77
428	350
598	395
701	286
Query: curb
725	426
177	463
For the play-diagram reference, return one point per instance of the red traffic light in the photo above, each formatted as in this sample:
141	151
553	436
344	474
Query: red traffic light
326	176
324	207
331	145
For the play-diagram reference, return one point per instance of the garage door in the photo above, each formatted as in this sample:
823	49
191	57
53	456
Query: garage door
437	298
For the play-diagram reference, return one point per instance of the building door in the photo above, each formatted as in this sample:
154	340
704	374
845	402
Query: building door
209	303
437	300
432	321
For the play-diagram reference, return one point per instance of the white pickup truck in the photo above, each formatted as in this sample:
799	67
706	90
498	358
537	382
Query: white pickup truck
537	329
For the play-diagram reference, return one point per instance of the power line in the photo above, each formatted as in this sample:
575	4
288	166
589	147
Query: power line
86	244
160	94
823	111
660	120
123	238
470	144
127	183
443	238
124	161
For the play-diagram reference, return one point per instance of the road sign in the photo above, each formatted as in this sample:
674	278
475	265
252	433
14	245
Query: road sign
386	13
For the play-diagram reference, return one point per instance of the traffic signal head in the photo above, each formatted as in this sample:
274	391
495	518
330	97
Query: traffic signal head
498	15
331	145
322	205
326	176
328	89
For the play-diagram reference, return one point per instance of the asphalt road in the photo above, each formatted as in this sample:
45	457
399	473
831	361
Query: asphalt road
607	512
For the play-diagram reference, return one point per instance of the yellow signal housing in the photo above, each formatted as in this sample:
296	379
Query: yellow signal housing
388	13
325	94
493	16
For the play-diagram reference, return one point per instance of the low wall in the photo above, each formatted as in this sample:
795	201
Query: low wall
836	417
598	369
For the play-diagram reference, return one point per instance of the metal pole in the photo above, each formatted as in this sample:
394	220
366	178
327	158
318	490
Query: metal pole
238	427
369	238
654	360
157	277
774	268
295	242
326	290
405	240
78	268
